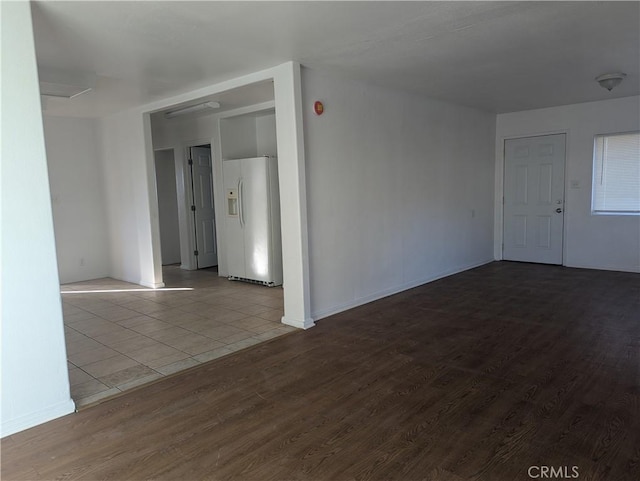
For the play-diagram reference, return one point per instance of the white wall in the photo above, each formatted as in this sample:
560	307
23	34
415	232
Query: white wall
35	382
238	138
77	194
610	242
266	135
129	185
400	190
167	206
246	132
168	133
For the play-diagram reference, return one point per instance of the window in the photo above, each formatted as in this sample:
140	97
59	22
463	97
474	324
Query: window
616	174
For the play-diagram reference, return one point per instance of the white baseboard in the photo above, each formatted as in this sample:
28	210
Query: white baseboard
140	282
12	426
633	269
304	324
394	290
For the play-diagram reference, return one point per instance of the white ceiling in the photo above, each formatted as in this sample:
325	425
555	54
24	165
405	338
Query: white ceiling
497	56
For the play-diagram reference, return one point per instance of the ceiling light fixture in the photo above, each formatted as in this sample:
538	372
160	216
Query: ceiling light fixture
610	80
192	109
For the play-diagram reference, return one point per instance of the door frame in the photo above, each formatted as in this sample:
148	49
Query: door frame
499	190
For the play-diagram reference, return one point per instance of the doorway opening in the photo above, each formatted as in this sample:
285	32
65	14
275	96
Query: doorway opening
167	206
277	90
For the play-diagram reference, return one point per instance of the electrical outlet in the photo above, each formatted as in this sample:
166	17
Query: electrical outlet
82	261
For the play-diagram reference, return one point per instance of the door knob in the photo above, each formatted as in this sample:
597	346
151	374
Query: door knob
559	210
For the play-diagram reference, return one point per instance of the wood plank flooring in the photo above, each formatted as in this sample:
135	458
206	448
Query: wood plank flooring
479	376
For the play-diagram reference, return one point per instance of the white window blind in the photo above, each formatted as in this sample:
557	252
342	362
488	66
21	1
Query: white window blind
616	174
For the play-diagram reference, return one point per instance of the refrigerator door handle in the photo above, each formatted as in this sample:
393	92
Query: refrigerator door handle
241	201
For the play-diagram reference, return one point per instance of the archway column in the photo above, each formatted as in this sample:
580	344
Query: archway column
293	196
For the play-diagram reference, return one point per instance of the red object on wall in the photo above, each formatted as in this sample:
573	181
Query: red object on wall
318	108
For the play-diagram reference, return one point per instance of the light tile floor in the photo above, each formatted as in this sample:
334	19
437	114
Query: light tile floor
122	335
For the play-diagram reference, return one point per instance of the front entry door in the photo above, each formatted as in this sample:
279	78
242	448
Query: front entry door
534	199
203	207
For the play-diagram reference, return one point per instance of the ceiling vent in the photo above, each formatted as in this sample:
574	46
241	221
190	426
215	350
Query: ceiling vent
65	84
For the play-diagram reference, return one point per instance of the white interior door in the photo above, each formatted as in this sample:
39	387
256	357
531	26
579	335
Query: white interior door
203	207
534	199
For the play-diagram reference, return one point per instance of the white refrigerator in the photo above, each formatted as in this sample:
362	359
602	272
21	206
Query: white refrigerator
252	220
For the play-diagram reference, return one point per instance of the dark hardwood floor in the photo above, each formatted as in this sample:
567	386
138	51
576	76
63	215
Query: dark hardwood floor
495	374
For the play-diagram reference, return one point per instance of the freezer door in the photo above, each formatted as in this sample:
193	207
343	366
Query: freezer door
255	214
234	231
